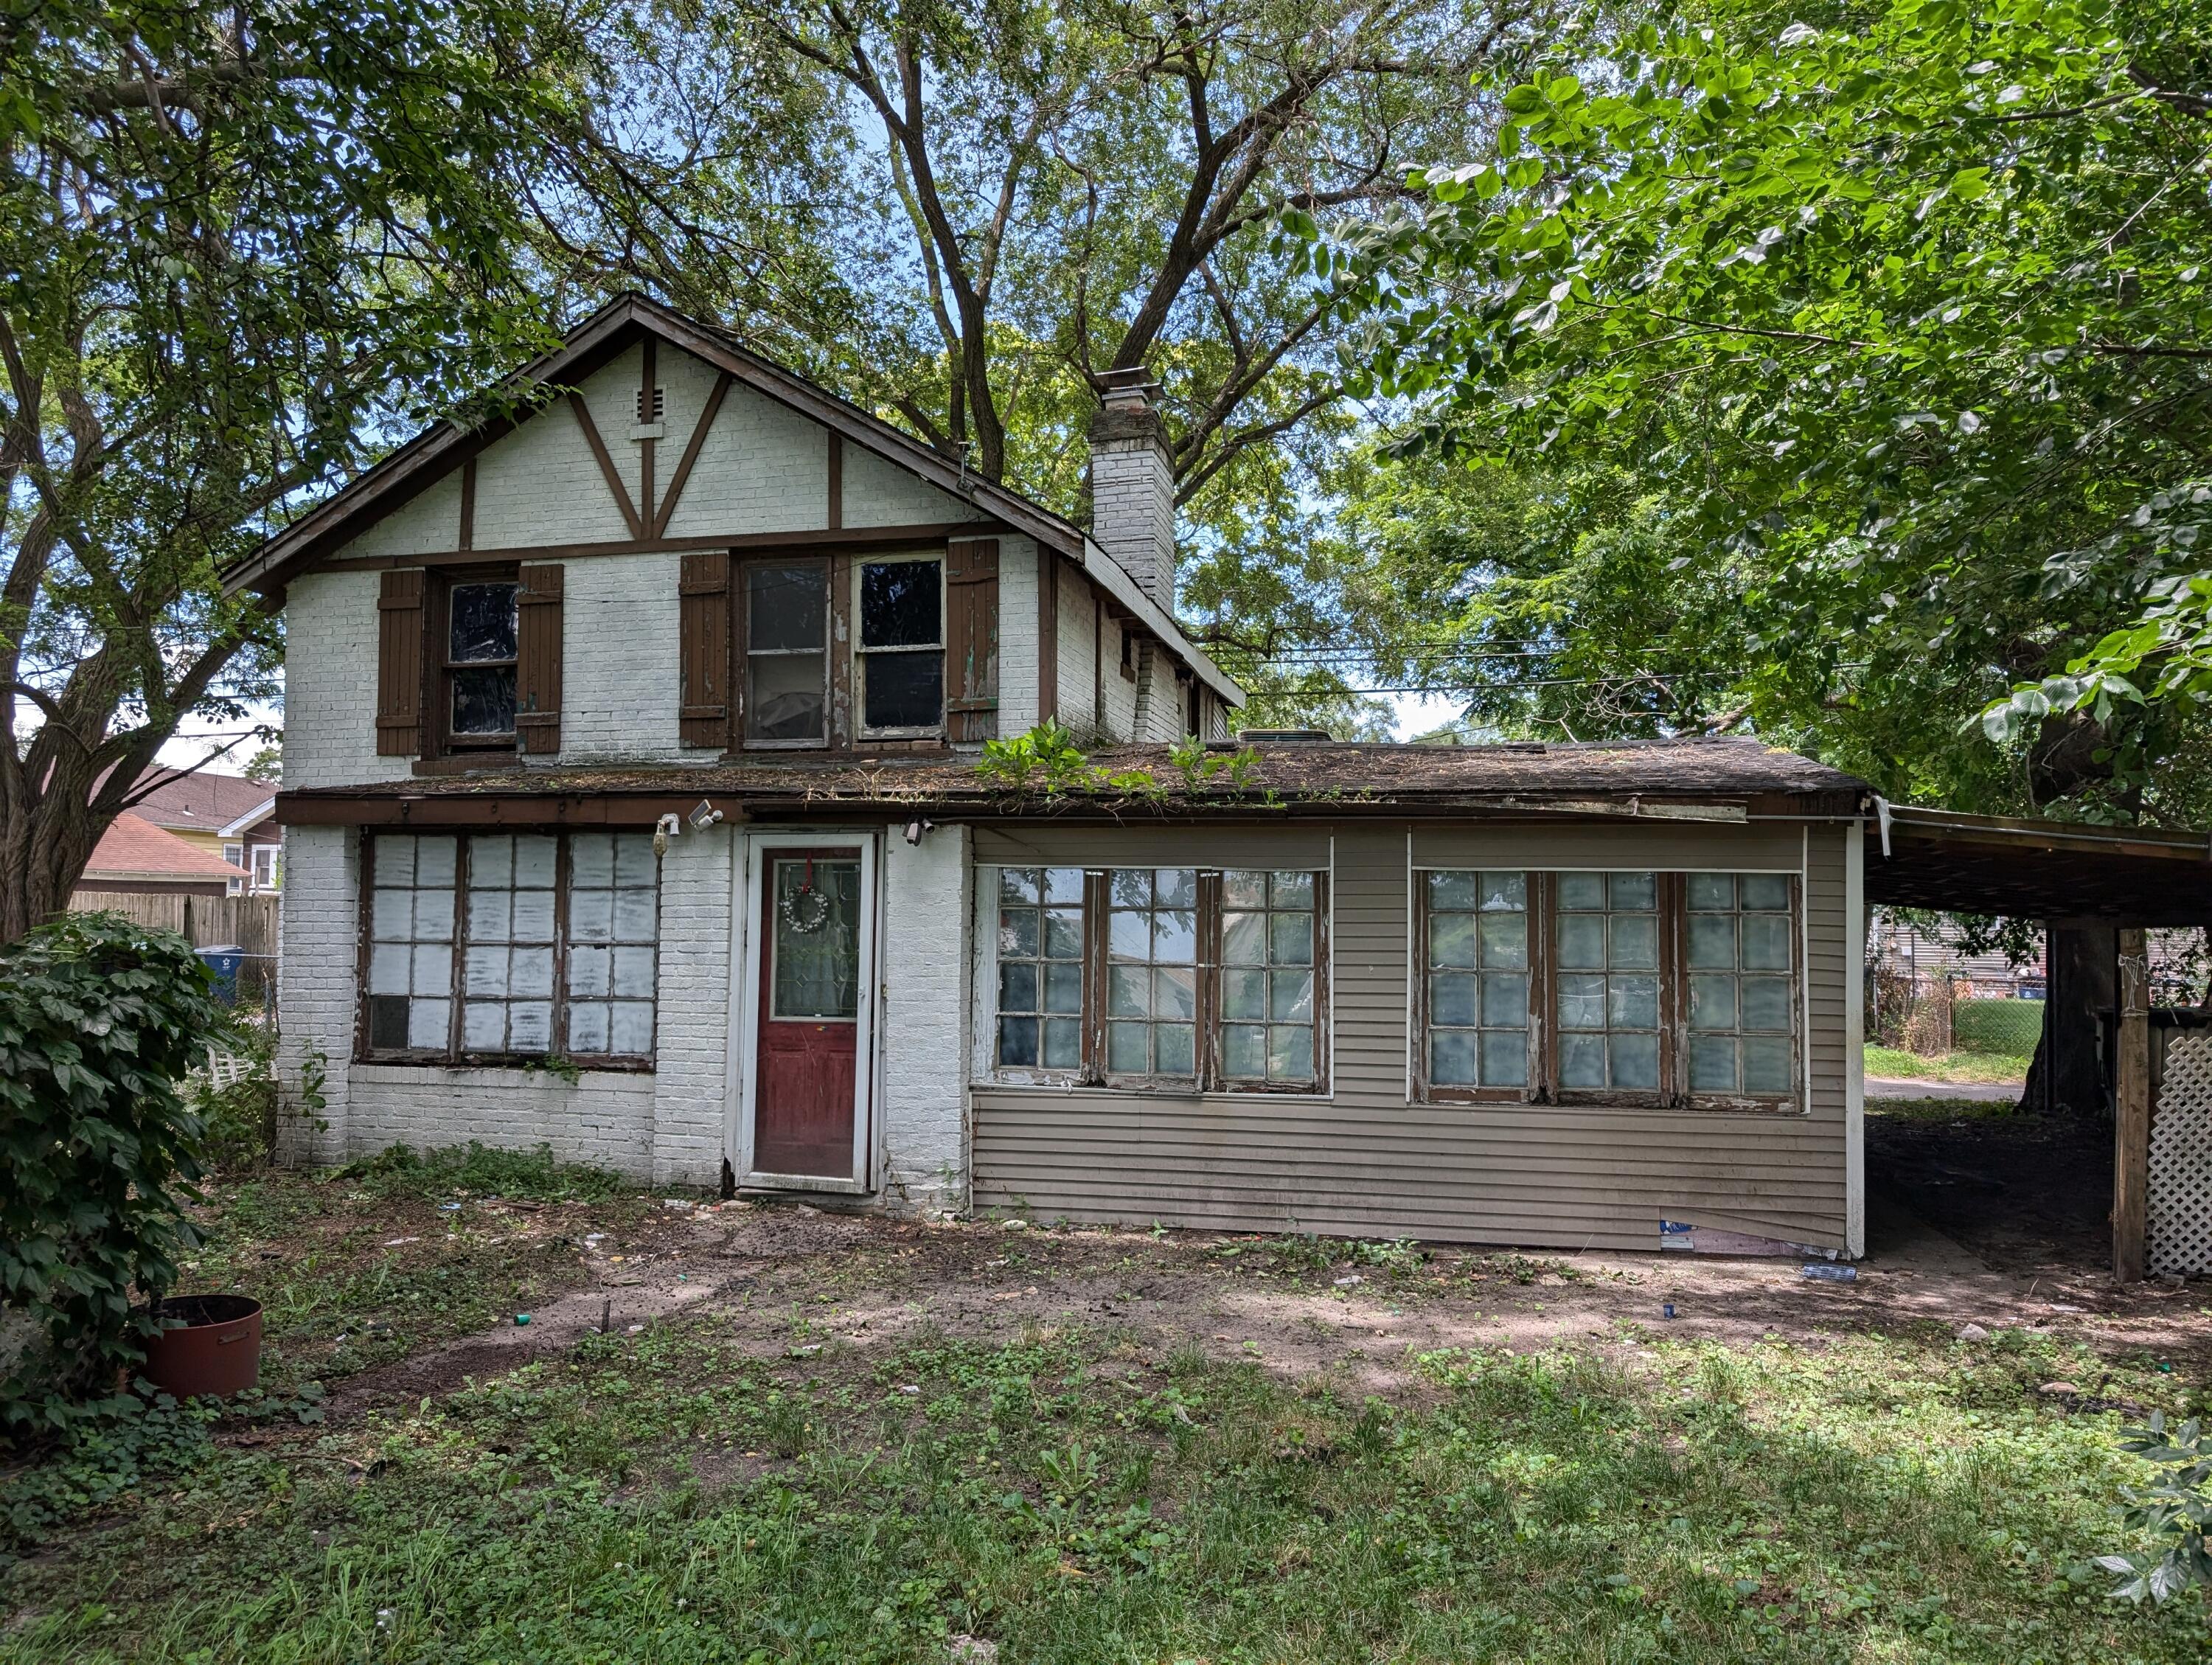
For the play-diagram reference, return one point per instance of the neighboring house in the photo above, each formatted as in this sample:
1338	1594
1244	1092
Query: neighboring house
1904	950
224	815
640	729
135	857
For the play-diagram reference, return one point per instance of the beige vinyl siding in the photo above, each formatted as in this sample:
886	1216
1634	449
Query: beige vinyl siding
1365	1161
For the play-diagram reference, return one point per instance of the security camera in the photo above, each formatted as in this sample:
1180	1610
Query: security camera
704	817
915	829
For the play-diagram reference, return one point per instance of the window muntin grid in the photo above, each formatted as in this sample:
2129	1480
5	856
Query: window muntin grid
410	952
1151	972
1041	956
1741	962
506	968
614	932
1269	978
1478	979
1606	982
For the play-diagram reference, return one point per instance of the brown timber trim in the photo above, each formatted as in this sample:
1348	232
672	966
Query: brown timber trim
682	478
607	465
835	508
649	373
1048	652
2131	1117
468	533
846	537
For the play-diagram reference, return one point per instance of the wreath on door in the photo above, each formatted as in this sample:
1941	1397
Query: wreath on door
806	909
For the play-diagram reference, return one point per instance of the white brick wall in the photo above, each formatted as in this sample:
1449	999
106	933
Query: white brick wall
1017	638
879	492
329	683
1133	513
1079	647
425	525
619	688
690	1110
763	467
541	484
922	1083
317	948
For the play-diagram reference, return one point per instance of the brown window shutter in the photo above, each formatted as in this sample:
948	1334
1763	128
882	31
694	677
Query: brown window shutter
538	662
399	664
702	717
971	638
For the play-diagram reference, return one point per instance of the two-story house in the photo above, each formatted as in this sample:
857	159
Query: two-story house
639	730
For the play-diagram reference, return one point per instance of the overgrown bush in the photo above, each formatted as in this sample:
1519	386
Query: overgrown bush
482	1170
100	1021
2176	1510
243	1121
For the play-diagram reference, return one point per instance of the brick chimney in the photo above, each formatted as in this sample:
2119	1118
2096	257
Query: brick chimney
1133	484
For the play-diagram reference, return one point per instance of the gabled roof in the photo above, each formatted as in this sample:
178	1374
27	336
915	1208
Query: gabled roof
198	800
427	457
135	848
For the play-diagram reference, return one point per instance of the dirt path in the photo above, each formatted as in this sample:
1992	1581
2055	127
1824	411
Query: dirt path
787	1280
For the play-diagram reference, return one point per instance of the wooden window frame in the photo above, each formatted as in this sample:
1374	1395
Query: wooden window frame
453	1056
741	570
1673	975
859	652
1208	1077
439	740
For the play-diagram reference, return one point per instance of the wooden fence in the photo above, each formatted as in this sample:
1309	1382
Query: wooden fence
204	922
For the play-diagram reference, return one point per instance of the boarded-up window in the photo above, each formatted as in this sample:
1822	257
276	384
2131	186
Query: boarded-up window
399	664
703	649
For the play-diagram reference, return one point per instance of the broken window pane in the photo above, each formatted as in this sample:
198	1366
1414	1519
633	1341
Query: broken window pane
900	604
787	697
484	701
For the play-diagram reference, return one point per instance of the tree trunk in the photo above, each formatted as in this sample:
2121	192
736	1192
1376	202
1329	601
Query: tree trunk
2069	1074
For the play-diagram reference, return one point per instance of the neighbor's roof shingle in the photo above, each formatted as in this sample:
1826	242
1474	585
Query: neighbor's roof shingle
133	847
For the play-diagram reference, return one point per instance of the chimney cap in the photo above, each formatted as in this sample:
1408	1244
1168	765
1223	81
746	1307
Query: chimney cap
1128	385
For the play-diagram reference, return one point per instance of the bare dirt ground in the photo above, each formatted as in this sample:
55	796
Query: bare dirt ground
1965	1227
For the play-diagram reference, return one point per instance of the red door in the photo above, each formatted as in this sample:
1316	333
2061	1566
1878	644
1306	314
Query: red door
809	1018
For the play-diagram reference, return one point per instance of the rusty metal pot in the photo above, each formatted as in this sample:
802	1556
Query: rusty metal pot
208	1344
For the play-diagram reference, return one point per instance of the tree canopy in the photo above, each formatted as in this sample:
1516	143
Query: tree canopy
1883	340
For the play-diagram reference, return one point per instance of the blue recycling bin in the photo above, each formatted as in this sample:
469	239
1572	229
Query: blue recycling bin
224	960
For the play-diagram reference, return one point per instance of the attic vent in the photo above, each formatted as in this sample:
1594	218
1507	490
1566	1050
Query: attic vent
650	406
1285	735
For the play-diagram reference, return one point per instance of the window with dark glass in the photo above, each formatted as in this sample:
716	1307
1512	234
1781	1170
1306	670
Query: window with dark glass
900	651
1185	977
1636	987
483	624
786	641
511	946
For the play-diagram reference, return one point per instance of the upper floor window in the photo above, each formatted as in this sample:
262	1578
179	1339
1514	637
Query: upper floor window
497	946
901	645
1631	987
787	639
1198	978
483	632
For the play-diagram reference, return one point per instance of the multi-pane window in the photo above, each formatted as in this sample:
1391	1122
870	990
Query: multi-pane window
1478	979
1608	981
1268	984
1041	969
614	927
1637	987
482	628
1189	977
901	647
497	945
1151	972
1740	957
786	637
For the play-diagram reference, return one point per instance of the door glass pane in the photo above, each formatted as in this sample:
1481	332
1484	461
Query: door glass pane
816	938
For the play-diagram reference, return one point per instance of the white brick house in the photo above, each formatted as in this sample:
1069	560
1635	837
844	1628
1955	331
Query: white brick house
631	807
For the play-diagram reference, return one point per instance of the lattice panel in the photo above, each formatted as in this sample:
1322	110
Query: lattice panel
2180	1199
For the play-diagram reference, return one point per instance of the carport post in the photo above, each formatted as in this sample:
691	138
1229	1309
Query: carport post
2131	1111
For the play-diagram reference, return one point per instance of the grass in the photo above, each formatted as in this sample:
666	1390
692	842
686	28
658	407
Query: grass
661	1497
1072	1493
1953	1067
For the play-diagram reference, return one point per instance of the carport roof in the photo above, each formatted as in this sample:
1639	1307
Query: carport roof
2043	870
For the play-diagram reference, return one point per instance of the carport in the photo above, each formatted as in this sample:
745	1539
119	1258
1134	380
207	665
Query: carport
2096	890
